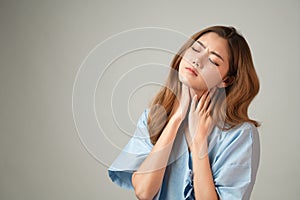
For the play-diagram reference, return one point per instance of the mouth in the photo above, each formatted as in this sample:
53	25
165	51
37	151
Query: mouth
192	70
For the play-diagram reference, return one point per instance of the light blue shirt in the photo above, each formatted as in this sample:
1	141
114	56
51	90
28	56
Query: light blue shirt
234	159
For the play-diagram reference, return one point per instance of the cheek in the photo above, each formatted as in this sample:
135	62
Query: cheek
212	76
209	77
182	66
182	63
181	75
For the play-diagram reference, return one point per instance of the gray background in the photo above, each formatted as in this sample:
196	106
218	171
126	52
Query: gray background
43	44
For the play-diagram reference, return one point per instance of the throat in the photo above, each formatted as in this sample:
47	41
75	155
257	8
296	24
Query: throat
199	93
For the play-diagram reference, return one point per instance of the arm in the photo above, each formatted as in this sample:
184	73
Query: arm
204	186
200	126
148	179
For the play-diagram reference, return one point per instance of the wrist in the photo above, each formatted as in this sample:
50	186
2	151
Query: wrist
199	146
200	139
176	119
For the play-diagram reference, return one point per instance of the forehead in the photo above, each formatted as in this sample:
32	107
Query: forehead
215	43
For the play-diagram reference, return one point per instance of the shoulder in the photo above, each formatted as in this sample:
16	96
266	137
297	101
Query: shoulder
235	161
237	146
242	138
141	133
142	122
245	130
244	126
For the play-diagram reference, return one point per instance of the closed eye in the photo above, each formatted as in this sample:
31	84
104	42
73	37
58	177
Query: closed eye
214	63
196	50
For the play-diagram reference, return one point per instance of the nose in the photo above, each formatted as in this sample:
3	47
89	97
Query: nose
200	60
196	63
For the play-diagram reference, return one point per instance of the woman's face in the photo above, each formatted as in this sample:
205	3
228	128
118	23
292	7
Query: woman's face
205	64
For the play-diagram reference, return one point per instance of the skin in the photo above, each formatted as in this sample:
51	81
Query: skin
196	96
211	70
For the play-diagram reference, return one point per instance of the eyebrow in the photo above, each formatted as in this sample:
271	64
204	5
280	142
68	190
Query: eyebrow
212	52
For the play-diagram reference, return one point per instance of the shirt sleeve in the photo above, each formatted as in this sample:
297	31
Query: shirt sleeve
235	166
132	156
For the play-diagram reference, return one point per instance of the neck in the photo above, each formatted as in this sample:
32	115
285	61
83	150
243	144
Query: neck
199	93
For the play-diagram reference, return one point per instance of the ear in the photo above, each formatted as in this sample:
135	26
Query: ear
228	80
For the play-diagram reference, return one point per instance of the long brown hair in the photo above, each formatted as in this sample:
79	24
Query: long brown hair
233	108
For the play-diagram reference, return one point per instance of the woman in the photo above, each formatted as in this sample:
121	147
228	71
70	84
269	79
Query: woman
196	140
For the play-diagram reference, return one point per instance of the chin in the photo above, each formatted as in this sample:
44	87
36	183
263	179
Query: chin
194	86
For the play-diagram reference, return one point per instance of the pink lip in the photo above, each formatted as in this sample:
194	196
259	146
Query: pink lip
192	70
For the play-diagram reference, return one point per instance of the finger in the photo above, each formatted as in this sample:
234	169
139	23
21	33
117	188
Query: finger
206	102
182	92
212	92
185	88
188	137
185	91
193	104
212	103
201	101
